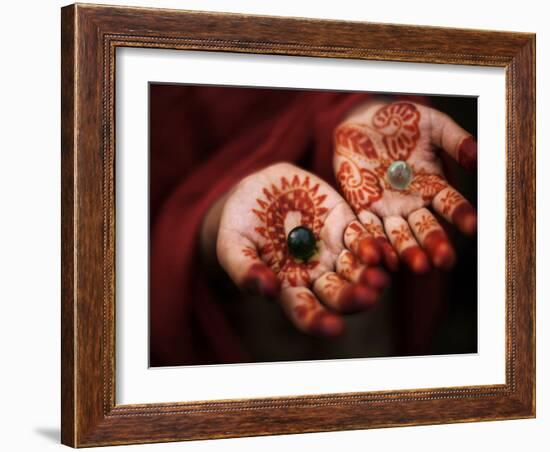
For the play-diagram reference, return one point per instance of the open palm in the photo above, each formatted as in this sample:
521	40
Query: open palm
367	146
339	277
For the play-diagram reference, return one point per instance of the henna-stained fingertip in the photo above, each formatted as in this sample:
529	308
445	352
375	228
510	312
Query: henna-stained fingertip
467	153
368	251
260	280
465	218
416	259
327	324
375	277
357	297
440	249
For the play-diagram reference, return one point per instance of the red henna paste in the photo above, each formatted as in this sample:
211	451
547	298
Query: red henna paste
375	277
467	153
261	280
416	259
391	259
357	297
398	123
327	324
368	250
295	195
439	249
465	218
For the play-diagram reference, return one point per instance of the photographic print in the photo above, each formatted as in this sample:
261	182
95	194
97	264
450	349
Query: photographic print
297	225
281	225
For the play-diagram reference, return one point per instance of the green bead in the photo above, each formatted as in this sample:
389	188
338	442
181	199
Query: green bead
301	243
399	174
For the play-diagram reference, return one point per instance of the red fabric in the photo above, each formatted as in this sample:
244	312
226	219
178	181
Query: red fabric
203	141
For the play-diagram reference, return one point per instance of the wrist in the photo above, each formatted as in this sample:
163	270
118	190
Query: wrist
362	112
209	229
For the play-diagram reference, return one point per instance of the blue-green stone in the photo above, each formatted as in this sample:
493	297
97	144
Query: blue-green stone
399	174
301	243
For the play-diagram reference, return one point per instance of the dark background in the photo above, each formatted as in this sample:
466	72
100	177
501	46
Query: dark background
458	330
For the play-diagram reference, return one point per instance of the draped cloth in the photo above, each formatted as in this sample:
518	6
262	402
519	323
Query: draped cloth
203	140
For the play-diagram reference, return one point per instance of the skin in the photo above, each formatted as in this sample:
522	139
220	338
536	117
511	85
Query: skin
366	144
250	225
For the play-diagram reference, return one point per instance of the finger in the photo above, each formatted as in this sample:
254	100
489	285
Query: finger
407	247
308	315
339	295
374	226
239	258
453	139
433	238
336	221
349	267
456	209
362	244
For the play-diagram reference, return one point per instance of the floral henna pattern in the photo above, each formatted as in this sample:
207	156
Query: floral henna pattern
365	151
333	284
425	223
308	304
423	183
249	252
349	266
449	201
398	123
360	186
373	229
314	318
401	235
353	139
426	184
299	197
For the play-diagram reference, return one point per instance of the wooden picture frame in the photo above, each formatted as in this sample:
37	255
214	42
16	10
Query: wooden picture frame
90	36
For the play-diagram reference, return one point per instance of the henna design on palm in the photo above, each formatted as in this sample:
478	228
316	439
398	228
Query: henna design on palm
252	247
369	142
300	198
